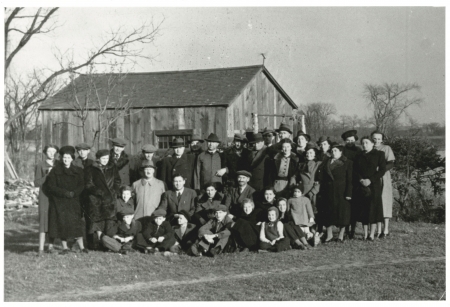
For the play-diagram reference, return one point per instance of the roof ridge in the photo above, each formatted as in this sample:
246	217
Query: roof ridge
181	71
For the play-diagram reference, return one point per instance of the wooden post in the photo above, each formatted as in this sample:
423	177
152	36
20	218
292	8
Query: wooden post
302	123
255	122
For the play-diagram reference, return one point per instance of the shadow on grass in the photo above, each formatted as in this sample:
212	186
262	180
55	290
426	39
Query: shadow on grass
21	240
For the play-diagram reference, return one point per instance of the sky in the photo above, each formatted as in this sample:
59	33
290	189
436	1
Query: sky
317	54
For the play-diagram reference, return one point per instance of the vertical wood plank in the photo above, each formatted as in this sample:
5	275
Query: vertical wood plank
180	118
136	136
220	122
270	105
120	127
147	129
230	121
211	119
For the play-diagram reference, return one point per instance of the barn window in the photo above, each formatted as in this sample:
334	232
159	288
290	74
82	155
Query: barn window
165	137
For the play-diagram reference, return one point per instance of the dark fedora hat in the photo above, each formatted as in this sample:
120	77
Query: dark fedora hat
256	137
239	137
177	142
300	133
267	131
284	127
196	137
213	138
349	133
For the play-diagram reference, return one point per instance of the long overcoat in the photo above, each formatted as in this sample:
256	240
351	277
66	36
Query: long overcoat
102	185
257	166
335	185
123	166
184	166
65	212
40	175
235	162
372	166
306	177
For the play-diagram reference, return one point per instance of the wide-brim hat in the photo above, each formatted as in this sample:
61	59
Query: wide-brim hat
149	148
183	213
213	138
244	173
267	131
239	137
300	133
119	142
197	137
348	134
147	164
221	208
83	146
67	150
178	142
102	153
256	137
159	212
284	127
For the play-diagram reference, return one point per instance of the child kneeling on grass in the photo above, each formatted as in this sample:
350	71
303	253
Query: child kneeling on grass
271	235
119	237
185	233
157	234
301	212
293	232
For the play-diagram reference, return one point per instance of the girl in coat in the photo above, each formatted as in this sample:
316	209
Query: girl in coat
300	211
386	181
102	185
369	168
40	175
294	232
335	179
272	233
65	184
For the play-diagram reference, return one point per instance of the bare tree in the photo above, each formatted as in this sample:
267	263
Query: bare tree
118	43
389	102
317	117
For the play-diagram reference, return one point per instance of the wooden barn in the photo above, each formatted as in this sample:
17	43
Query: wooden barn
164	105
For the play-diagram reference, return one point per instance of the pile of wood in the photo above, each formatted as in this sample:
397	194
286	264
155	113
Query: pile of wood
20	194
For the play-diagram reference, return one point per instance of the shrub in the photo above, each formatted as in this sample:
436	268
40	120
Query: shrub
419	177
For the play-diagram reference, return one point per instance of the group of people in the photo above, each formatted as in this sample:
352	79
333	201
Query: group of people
256	195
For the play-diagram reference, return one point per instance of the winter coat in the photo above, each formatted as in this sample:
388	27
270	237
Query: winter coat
65	185
189	237
300	211
335	185
102	185
40	175
207	165
234	162
123	166
351	152
82	163
148	195
184	166
306	177
372	166
170	203
257	166
234	198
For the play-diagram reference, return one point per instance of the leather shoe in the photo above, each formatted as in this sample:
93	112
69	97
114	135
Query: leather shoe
214	251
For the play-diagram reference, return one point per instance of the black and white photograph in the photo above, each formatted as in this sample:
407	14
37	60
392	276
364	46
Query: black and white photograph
224	152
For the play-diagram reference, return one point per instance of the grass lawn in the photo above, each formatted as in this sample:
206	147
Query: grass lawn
409	265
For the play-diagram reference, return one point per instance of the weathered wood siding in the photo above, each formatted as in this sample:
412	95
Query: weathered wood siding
262	97
62	127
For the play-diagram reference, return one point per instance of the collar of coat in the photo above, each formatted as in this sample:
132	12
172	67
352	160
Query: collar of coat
72	170
177	230
204	198
122	161
342	159
96	164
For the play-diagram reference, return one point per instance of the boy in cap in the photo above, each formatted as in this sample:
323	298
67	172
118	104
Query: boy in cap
125	203
236	195
185	233
148	191
213	236
119	238
119	157
157	234
83	160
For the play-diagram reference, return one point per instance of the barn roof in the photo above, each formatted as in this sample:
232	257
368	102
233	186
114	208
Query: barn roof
208	87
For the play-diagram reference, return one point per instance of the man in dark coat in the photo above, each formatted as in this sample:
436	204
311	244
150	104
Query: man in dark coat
147	154
178	198
102	184
236	195
179	163
83	161
120	159
257	161
235	159
210	166
185	233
